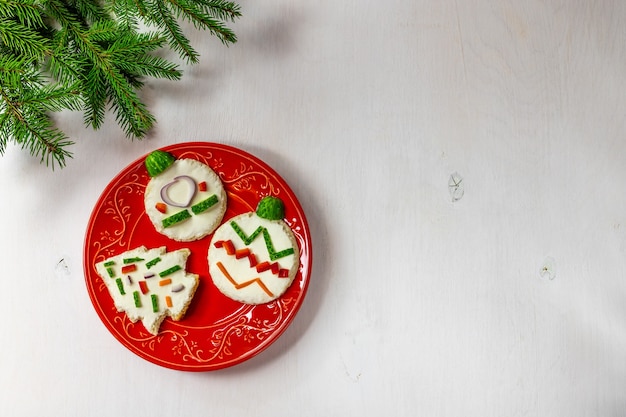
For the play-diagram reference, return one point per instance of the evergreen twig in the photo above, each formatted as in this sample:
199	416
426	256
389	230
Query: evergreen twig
91	56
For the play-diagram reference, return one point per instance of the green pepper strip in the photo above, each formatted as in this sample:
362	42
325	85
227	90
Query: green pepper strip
155	303
131	260
204	205
153	262
170	270
137	299
246	239
270	247
120	286
176	218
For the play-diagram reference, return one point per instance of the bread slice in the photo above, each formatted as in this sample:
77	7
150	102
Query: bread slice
149	284
252	259
186	201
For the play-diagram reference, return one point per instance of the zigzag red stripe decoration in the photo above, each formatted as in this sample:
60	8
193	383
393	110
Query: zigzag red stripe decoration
229	247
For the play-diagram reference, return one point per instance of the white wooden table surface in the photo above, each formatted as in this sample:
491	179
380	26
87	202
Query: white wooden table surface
509	301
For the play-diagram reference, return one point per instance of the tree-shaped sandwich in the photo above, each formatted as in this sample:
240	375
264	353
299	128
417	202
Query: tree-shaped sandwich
254	257
149	284
184	199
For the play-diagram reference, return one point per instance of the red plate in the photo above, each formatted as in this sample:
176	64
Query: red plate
216	332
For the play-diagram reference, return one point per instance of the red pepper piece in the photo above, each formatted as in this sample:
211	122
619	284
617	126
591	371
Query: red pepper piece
283	273
162	207
263	266
242	253
129	268
275	268
143	287
252	259
219	244
202	186
229	247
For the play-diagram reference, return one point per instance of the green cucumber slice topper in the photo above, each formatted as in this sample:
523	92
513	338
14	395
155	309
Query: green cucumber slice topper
158	161
271	208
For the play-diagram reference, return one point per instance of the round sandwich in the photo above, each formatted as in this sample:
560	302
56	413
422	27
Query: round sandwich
254	257
184	199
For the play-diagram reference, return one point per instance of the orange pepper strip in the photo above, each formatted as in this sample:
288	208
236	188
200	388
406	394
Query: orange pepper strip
243	284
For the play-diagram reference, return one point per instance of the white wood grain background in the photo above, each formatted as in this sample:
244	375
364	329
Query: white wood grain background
418	305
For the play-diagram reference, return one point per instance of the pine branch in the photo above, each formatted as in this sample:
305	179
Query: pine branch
91	56
26	13
221	9
96	96
160	16
21	40
42	139
189	10
128	12
25	103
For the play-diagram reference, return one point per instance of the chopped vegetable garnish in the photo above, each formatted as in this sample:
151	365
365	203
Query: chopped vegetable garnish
202	186
137	299
270	247
129	279
120	286
155	303
178	288
165	282
192	191
242	253
153	262
275	268
229	247
109	263
204	205
243	284
263	266
129	268
158	161
271	208
282	253
169	271
148	275
131	260
143	286
162	207
168	301
176	218
246	239
111	272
